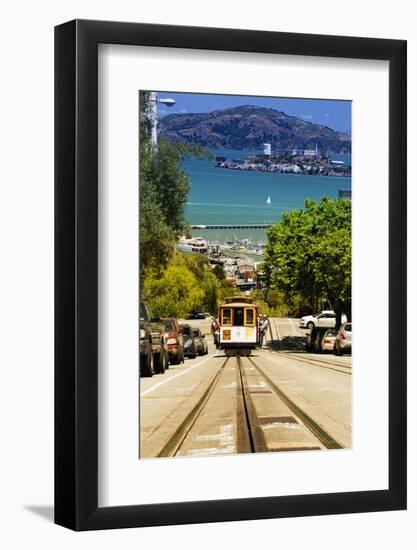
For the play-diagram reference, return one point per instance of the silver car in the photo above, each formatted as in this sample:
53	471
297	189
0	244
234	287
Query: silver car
343	342
328	340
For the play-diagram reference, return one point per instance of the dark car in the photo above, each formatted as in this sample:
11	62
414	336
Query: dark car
190	342
202	348
174	340
152	346
197	315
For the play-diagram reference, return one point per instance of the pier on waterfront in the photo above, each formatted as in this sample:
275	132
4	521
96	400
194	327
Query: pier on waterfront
233	226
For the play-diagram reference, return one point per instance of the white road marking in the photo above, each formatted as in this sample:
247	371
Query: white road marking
211	451
256	385
159	384
288	425
225	438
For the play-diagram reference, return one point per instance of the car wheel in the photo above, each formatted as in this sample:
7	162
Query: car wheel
310	325
337	350
179	358
146	364
160	361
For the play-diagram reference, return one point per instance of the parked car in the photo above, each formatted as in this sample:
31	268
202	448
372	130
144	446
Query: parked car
152	346
202	347
324	319
190	343
343	341
174	340
328	340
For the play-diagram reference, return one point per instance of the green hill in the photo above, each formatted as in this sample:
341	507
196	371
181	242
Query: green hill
248	127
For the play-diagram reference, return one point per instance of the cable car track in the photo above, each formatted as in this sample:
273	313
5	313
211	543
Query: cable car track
337	367
249	416
174	444
325	438
334	366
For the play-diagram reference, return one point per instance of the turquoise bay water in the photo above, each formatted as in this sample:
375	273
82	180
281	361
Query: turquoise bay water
221	196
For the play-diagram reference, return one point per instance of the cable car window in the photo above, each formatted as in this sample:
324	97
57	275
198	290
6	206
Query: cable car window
238	317
249	317
226	316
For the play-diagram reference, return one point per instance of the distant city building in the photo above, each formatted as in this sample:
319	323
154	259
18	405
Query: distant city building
310	153
196	244
267	149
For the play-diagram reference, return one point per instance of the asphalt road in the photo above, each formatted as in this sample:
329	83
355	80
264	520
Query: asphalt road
279	399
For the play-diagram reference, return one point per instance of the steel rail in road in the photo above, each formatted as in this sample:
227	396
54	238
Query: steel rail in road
311	360
337	367
256	435
173	445
325	438
251	436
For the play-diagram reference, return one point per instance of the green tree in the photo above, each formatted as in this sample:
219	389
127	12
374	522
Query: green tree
174	293
309	254
164	187
170	182
218	271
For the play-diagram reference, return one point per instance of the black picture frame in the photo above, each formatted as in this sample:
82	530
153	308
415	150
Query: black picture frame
76	272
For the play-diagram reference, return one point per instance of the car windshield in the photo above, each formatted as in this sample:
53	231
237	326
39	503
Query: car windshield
186	330
142	311
196	332
331	333
169	325
348	327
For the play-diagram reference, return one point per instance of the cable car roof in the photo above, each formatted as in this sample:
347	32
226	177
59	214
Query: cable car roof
241	300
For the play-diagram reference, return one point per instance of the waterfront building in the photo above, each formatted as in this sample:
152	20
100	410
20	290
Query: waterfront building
196	244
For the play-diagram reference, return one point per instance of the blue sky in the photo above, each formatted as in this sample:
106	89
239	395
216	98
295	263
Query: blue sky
332	113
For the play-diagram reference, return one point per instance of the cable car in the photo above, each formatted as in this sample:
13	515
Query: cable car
238	325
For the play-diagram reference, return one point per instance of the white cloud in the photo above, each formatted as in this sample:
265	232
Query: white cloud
327	114
307	117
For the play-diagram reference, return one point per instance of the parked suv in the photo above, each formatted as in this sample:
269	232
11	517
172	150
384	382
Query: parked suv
152	346
174	340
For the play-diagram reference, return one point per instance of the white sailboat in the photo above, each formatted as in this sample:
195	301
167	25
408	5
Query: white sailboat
268	200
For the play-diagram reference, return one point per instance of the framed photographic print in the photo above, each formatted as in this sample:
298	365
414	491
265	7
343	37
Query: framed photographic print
229	204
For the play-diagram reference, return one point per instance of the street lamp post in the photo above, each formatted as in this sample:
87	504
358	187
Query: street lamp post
153	114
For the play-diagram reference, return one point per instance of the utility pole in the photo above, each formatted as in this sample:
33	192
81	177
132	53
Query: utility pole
153	114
